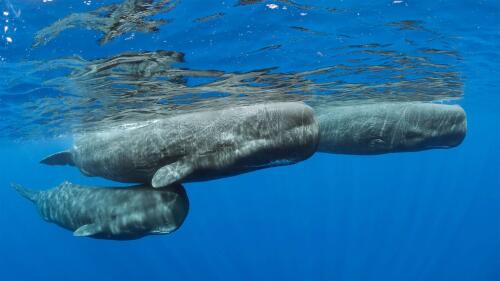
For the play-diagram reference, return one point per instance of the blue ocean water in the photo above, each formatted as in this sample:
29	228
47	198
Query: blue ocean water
430	215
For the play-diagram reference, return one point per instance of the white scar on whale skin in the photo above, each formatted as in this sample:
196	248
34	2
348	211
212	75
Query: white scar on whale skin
198	146
111	213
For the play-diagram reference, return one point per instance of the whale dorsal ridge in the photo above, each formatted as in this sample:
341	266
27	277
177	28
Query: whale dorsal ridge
171	173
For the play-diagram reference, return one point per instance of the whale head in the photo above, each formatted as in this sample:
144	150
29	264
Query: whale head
429	126
137	212
391	127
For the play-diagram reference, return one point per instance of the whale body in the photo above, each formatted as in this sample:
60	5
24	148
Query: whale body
111	213
390	127
197	146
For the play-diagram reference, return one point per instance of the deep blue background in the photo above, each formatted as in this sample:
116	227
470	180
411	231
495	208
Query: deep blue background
432	215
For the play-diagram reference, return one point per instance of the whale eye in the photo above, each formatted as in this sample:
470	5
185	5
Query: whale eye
377	142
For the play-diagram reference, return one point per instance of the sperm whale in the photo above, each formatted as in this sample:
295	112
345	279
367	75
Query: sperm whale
390	127
111	213
197	146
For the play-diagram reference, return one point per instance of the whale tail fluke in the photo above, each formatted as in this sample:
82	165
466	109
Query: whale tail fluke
27	193
59	158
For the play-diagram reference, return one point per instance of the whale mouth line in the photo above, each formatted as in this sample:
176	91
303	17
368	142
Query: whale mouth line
439	146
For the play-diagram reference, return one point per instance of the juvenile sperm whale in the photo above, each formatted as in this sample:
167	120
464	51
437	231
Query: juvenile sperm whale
390	127
111	213
198	146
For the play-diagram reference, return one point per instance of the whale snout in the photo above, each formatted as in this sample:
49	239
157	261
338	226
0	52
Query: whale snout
439	126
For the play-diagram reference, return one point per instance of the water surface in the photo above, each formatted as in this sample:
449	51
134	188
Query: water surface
432	215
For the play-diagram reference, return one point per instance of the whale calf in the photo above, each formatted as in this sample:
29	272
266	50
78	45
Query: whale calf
111	213
390	127
197	146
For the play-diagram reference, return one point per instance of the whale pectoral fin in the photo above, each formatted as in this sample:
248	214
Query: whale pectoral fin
88	230
60	158
171	173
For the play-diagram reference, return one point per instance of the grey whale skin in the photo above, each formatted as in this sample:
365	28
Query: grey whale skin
111	213
198	146
390	127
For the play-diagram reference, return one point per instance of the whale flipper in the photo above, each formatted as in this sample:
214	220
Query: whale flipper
59	158
88	230
171	173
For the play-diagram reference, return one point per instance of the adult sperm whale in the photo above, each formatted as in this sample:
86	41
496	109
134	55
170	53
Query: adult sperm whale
111	213
390	127
198	146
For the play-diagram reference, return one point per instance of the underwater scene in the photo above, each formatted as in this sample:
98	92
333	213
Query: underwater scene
249	140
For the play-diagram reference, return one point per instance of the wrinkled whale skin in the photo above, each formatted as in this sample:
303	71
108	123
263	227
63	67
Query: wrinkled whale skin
198	146
390	127
111	213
